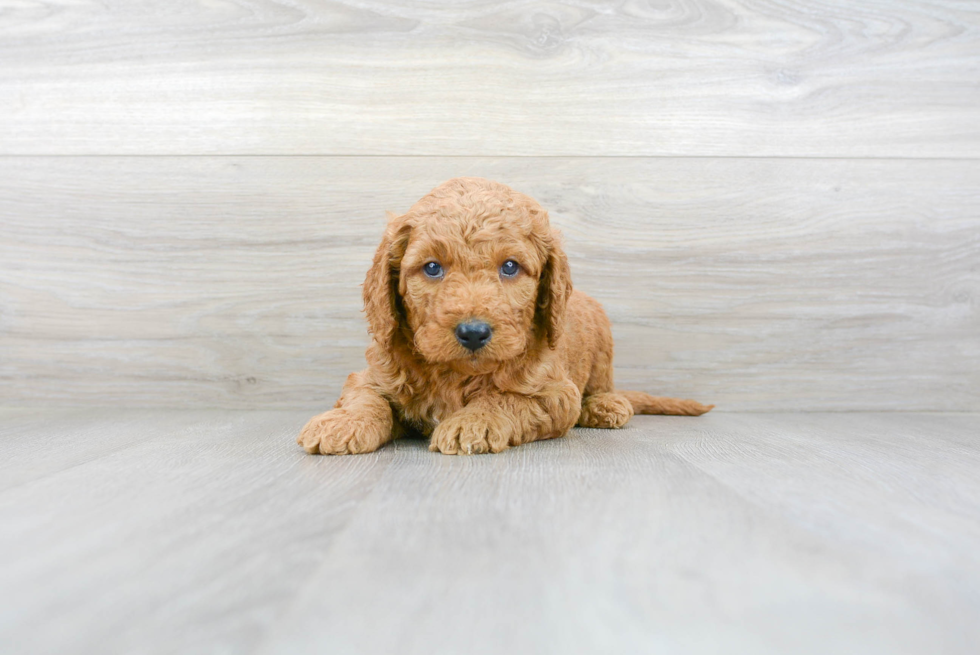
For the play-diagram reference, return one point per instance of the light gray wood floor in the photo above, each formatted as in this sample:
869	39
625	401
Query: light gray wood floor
210	531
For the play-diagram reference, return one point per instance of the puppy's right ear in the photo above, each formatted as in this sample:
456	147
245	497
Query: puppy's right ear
382	304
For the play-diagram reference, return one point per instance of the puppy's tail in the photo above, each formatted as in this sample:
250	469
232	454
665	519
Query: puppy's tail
644	403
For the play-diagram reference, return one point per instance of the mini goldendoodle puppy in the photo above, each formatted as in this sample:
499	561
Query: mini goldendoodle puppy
479	341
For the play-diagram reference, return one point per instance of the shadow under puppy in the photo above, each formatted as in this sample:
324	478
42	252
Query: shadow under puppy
479	341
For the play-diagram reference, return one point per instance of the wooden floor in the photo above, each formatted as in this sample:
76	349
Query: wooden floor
210	531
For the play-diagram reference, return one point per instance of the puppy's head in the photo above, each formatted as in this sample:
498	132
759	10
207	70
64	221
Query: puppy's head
472	275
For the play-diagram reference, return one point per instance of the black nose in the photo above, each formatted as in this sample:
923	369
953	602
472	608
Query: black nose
473	335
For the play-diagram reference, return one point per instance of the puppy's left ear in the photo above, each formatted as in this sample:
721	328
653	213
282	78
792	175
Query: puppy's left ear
554	290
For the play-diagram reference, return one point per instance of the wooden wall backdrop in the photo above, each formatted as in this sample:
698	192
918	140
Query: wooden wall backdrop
778	202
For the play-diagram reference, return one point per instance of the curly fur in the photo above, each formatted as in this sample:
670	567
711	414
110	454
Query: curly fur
547	367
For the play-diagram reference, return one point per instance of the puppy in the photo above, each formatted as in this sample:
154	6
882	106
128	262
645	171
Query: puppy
479	341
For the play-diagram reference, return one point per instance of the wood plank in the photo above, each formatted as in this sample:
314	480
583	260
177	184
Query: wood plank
235	282
748	533
706	77
73	438
184	542
619	542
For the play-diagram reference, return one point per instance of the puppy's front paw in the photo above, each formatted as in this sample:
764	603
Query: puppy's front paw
471	433
339	432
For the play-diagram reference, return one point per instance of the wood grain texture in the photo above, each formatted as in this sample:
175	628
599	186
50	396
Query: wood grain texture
212	532
201	529
235	282
686	77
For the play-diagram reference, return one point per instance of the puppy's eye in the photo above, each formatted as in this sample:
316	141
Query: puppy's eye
433	270
510	268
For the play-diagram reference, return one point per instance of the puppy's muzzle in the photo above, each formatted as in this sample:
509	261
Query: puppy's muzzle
473	335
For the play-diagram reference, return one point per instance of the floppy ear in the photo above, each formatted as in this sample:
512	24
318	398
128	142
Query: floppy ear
382	304
554	290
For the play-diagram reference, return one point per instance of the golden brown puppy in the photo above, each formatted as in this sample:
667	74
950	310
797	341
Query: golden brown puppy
478	339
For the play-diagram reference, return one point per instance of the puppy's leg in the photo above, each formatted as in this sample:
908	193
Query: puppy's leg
497	421
605	410
602	407
360	422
